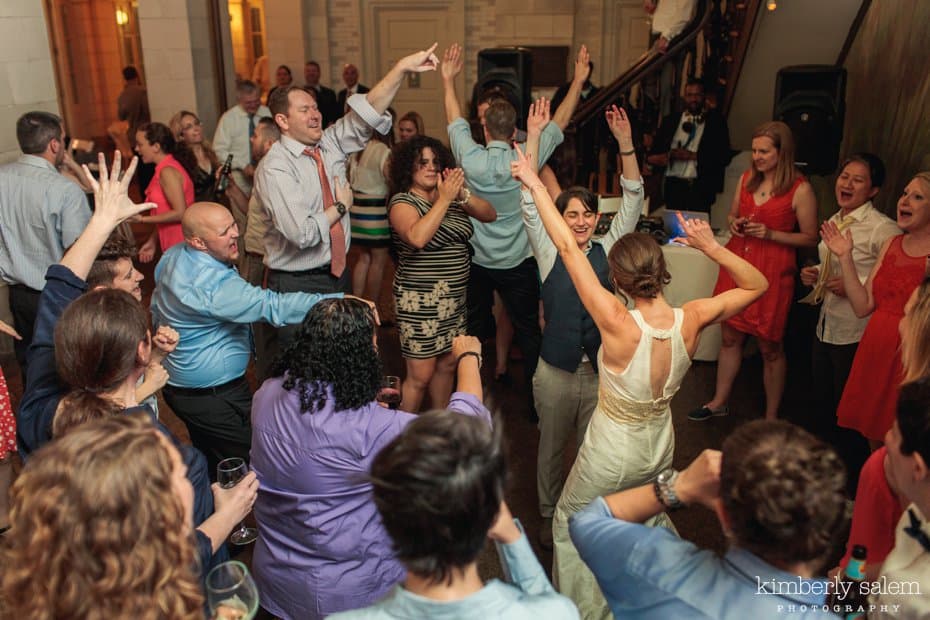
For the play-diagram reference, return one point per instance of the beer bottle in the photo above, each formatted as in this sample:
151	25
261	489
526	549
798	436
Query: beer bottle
222	182
850	600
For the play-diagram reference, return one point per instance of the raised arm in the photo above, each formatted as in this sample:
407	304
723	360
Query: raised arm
619	124
452	63
112	207
859	294
606	310
563	115
381	96
750	283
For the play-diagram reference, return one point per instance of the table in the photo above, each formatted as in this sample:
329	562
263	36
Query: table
693	277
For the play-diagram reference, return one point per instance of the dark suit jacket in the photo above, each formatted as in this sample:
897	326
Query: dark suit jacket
342	97
713	153
326	101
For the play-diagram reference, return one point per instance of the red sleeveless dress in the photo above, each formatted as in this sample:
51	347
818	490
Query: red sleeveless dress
7	421
870	398
766	317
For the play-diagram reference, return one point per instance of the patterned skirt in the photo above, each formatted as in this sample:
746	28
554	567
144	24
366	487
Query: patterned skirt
370	222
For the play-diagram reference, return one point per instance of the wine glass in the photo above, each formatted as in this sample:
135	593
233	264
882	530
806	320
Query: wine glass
228	473
231	592
389	394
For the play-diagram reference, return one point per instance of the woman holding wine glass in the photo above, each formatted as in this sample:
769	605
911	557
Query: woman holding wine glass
772	200
102	528
316	427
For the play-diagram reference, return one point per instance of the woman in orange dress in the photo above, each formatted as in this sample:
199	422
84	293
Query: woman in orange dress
773	199
871	395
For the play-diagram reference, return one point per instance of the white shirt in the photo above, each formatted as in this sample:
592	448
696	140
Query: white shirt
232	135
907	568
671	17
838	323
686	168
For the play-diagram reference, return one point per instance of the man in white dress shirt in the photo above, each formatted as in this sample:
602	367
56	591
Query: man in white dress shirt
235	129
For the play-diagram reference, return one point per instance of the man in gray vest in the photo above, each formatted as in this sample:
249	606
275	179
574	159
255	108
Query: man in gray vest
565	381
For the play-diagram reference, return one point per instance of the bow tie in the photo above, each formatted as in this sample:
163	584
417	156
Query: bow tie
915	532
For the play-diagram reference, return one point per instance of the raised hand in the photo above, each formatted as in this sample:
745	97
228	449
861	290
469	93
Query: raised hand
343	191
582	65
698	234
538	116
452	62
111	193
838	243
420	62
522	169
699	483
619	124
450	184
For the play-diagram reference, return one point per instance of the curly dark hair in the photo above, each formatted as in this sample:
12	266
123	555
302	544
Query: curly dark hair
334	346
405	158
784	492
637	266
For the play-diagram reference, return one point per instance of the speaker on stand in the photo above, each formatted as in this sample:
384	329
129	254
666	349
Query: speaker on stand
510	70
811	99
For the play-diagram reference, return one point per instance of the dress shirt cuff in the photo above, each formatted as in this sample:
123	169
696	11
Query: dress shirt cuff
520	565
379	122
630	185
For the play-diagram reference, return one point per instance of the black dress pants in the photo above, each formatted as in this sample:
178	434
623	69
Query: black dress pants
519	290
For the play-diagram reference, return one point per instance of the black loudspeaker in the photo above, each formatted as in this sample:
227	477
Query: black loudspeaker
811	99
509	69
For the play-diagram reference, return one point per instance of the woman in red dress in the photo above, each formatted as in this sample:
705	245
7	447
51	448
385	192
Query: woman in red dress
773	198
7	440
871	394
171	189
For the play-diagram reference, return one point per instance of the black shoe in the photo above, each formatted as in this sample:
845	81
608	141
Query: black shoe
704	413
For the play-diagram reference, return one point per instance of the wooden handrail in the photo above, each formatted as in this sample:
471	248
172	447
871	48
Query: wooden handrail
649	63
752	8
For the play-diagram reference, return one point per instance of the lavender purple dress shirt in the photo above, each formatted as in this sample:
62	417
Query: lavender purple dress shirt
321	546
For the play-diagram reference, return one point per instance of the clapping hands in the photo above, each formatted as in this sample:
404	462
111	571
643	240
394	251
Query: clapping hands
450	184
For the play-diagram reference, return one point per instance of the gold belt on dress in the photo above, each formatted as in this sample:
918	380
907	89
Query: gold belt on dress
624	411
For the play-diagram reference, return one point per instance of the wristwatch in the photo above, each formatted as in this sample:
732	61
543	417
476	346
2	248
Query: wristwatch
341	208
664	487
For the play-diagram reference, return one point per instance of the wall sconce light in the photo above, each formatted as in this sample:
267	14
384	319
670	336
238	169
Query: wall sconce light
122	18
771	5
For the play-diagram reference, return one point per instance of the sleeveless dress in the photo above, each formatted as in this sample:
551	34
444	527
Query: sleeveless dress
430	283
766	317
630	440
7	421
168	234
871	395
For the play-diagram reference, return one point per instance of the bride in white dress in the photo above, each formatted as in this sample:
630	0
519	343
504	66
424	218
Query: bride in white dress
644	355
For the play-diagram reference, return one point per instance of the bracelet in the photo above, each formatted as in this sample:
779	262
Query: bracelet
467	353
630	152
466	193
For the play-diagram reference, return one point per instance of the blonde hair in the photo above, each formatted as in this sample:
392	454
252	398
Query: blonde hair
100	531
915	343
785	172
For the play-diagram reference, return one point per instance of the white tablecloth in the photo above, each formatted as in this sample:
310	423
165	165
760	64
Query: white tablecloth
693	277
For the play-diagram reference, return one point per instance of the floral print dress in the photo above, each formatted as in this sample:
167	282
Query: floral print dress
430	283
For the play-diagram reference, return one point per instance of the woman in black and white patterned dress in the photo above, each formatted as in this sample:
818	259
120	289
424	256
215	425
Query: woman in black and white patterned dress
430	228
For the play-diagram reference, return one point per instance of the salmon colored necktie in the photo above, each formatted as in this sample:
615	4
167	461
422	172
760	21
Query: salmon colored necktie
337	235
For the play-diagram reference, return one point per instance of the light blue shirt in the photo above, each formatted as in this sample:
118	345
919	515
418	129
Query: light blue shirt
530	597
211	306
647	572
500	244
41	214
